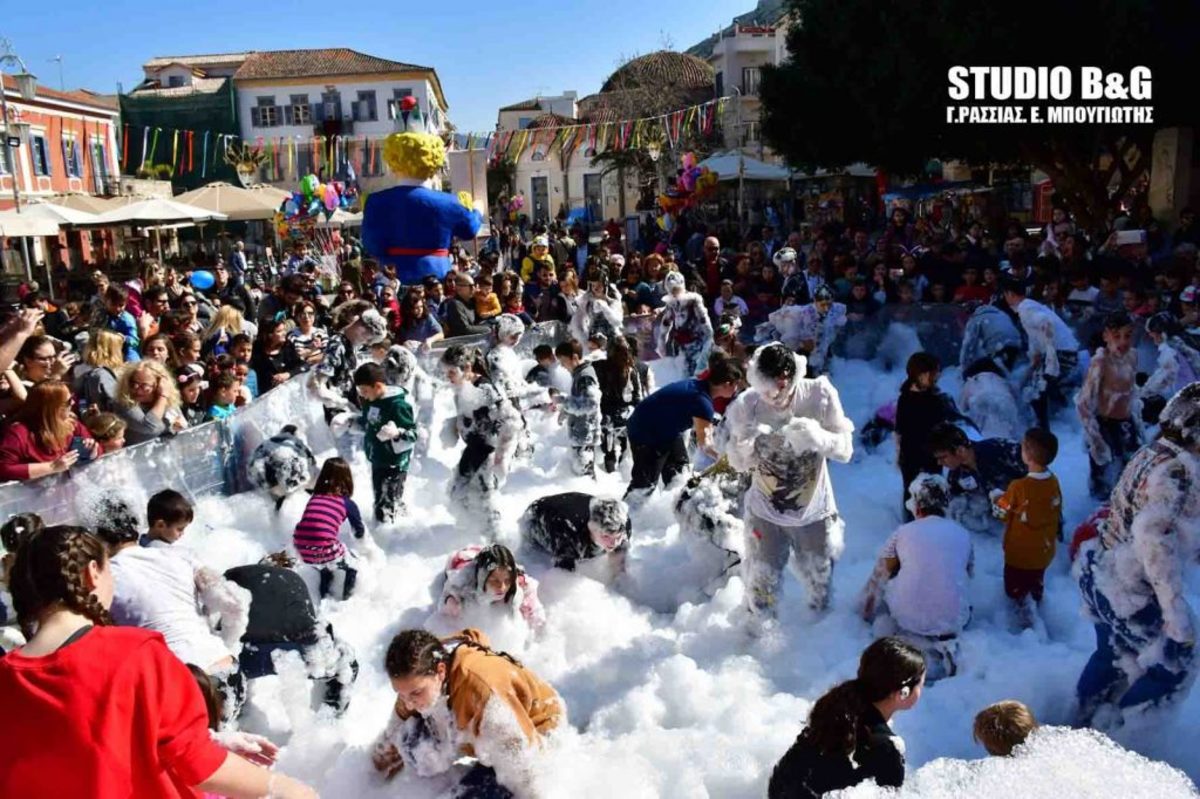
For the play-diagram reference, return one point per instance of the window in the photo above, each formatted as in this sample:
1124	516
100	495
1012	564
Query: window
394	103
300	110
752	135
331	106
523	122
71	160
750	80
99	166
720	84
265	114
41	154
174	81
364	109
5	169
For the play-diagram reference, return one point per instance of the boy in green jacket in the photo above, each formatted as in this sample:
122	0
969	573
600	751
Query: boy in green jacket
391	434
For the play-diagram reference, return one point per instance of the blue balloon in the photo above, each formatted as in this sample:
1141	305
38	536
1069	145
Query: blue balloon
203	280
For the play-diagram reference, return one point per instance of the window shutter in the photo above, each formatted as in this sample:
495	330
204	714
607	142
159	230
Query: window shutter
318	112
255	117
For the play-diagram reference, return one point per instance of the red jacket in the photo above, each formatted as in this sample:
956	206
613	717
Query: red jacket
19	448
113	715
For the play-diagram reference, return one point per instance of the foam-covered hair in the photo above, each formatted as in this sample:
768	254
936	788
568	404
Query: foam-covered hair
508	325
672	281
928	494
414	155
610	515
1180	418
769	363
785	255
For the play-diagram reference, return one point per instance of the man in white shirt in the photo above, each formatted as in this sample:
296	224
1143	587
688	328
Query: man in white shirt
1053	348
922	578
782	430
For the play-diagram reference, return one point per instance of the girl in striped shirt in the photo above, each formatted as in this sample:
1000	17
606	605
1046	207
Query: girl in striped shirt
316	536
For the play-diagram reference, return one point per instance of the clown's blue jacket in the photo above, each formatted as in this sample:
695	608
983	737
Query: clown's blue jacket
412	226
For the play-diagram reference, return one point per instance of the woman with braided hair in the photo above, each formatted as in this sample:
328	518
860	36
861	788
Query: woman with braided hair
97	710
457	696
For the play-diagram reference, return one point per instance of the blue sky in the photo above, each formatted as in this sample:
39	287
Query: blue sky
487	54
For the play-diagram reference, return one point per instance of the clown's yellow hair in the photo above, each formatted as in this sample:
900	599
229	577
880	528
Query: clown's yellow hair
414	155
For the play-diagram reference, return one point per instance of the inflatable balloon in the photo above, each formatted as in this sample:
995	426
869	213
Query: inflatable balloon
202	280
290	208
308	185
331	197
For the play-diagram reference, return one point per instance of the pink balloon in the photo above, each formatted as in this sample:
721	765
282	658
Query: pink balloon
331	198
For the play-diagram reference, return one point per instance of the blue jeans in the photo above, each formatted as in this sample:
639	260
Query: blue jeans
1103	681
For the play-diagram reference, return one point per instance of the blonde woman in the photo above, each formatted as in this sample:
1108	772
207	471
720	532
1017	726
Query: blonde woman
148	402
44	437
94	382
227	322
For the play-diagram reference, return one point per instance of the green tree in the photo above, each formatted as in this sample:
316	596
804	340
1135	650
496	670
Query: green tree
868	81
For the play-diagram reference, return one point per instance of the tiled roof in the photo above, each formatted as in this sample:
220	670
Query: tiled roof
664	68
317	63
198	86
551	121
525	105
81	96
213	59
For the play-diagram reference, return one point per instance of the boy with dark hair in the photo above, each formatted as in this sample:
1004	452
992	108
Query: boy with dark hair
168	514
390	434
540	374
119	320
974	470
1105	406
921	407
1031	509
581	407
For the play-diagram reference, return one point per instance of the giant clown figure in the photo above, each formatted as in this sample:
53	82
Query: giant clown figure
411	224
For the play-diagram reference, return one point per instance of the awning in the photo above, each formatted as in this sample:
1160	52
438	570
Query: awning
728	165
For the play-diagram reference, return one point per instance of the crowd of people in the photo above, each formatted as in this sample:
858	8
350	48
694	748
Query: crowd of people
756	418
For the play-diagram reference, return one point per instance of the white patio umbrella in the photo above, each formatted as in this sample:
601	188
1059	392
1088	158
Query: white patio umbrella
41	219
235	202
156	213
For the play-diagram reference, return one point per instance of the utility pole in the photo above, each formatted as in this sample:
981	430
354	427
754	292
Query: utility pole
27	87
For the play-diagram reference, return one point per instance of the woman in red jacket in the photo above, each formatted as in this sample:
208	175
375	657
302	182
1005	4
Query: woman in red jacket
44	436
100	711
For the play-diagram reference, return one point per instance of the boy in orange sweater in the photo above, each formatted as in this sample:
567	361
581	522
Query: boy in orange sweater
1032	512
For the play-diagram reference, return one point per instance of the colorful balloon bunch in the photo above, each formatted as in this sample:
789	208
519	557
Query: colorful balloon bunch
693	185
313	200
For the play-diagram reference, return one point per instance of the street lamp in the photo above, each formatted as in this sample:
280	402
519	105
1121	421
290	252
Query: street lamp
27	88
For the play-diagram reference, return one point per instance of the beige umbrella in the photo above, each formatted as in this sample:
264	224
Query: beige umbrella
236	203
156	213
81	202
